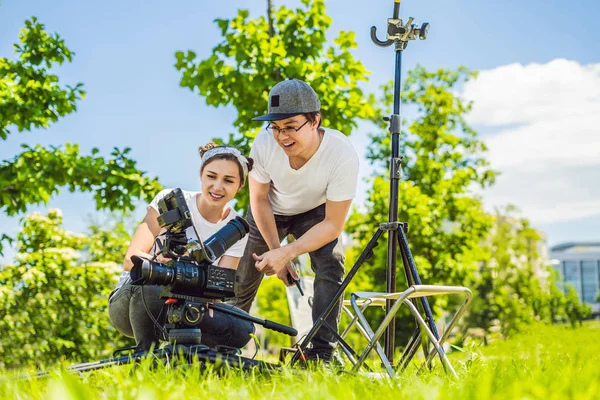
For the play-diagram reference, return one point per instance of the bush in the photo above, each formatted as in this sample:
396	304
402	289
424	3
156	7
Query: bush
54	298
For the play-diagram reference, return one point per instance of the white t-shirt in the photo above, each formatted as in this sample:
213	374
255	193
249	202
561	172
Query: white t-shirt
205	228
330	174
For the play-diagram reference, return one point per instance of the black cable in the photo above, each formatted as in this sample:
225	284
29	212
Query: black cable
162	330
157	324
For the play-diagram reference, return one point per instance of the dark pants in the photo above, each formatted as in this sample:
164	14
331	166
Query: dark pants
128	314
326	262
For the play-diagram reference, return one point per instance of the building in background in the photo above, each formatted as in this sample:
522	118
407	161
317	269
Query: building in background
579	265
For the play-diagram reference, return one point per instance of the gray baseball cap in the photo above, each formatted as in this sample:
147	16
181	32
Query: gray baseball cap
288	98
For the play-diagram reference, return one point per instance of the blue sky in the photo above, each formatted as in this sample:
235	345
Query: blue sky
125	56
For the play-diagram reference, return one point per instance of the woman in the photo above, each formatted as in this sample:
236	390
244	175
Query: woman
223	172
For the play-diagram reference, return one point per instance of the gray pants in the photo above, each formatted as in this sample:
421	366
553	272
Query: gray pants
128	314
326	262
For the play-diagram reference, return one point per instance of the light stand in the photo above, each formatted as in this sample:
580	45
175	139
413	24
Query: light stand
398	34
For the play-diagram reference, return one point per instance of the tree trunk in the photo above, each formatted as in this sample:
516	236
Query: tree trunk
270	17
277	71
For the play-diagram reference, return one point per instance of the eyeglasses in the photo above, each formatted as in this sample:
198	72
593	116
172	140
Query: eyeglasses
285	131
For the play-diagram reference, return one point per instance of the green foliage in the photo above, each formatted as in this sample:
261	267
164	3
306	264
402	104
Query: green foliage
37	173
254	55
54	298
554	297
272	303
30	96
508	288
576	310
514	288
443	154
444	162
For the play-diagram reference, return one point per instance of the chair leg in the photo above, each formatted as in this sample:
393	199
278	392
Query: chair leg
432	338
415	291
361	329
410	350
374	337
354	318
457	316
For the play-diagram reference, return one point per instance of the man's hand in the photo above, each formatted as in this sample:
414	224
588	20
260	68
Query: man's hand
276	262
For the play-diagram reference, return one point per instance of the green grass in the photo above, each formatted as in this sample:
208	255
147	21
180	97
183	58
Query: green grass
545	363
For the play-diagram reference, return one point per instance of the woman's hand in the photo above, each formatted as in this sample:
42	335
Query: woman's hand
161	259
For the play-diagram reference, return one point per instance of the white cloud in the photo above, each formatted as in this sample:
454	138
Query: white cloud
546	120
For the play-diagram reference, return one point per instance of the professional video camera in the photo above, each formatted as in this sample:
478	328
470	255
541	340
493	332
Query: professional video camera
192	282
189	272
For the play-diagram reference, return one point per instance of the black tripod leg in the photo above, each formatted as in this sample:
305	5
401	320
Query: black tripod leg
410	279
416	280
364	256
94	365
413	344
170	354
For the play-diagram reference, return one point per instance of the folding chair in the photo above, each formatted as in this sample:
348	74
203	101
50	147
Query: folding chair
360	301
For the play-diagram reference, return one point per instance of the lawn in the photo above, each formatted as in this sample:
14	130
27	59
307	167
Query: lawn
548	362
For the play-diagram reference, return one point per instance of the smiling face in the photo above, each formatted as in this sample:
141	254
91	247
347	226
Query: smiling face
220	181
297	136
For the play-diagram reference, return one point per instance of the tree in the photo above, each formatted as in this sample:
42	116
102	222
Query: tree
576	310
54	297
514	287
555	297
31	97
508	288
255	54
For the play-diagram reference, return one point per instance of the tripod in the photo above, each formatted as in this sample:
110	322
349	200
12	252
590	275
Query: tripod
398	34
185	340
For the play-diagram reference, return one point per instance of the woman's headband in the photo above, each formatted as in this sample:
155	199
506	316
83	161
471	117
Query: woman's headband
226	150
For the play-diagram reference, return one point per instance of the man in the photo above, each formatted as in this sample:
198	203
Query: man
303	181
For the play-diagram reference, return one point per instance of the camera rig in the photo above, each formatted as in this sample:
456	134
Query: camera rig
192	286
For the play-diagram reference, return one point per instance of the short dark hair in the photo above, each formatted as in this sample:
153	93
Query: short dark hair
312	116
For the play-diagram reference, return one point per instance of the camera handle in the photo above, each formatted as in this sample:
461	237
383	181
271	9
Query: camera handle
201	305
274	326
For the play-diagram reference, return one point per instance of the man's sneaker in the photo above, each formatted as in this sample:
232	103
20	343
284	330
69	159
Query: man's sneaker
312	358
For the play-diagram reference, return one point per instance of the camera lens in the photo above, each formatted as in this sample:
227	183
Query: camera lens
227	236
150	272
